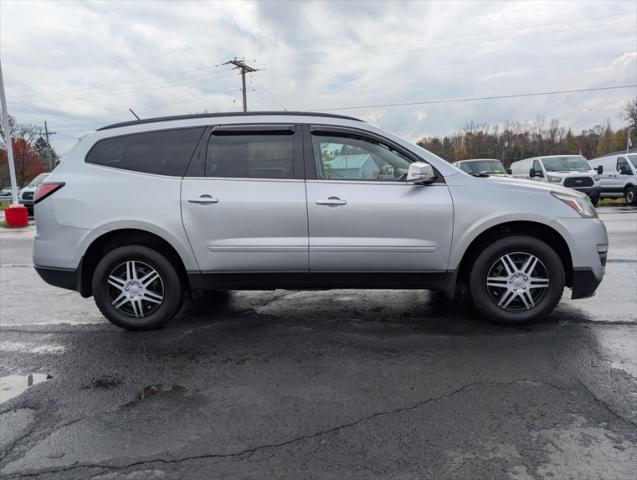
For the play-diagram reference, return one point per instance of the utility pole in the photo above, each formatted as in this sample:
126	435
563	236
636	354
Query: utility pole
7	136
48	144
243	67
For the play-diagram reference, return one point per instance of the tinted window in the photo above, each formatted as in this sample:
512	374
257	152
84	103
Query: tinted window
251	155
622	166
357	158
164	152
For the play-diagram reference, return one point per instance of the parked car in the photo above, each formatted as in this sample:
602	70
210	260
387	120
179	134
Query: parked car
483	166
141	212
619	176
572	171
6	194
27	193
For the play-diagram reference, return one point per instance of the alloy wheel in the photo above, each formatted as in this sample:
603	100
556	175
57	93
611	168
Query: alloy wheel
135	288
517	281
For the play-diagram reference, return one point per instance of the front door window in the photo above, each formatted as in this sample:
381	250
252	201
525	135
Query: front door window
357	158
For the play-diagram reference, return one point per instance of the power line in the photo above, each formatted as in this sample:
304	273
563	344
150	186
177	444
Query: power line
143	79
93	118
469	34
268	94
130	90
476	99
435	47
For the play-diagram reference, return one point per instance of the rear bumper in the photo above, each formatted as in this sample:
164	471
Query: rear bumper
584	283
60	277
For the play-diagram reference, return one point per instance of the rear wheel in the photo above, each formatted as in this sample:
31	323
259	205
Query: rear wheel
137	288
516	280
631	196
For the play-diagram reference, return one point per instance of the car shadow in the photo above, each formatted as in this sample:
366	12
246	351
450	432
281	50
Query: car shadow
370	311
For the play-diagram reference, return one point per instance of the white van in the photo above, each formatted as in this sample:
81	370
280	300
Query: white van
619	176
572	171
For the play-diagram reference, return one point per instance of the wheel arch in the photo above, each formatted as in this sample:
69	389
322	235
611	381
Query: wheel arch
537	230
120	237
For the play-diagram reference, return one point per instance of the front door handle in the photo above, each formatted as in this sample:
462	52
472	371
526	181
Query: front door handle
204	200
332	202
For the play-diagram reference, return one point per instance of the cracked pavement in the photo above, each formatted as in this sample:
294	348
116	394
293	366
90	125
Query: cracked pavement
323	384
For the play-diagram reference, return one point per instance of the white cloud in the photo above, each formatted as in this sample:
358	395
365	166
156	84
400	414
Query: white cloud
88	62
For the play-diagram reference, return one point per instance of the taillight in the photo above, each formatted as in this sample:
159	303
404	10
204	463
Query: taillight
46	189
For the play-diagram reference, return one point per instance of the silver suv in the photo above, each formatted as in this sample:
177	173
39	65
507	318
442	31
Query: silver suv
141	213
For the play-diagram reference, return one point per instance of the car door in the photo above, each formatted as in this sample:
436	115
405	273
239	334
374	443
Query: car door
622	174
363	216
243	201
605	179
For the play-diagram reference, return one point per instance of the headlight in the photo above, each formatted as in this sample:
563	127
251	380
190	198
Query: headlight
554	179
596	177
581	205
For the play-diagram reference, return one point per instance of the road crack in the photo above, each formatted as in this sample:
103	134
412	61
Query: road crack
256	449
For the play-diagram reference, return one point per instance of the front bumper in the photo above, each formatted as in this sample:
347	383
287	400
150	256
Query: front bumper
592	192
587	242
584	283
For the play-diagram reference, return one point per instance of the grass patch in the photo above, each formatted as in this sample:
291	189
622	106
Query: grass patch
611	202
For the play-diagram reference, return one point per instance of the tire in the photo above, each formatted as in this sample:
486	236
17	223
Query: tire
631	196
595	200
141	305
531	301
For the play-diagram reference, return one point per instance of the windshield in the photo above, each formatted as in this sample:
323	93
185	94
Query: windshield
483	166
566	164
38	180
633	160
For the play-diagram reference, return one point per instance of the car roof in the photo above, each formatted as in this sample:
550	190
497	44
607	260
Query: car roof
225	114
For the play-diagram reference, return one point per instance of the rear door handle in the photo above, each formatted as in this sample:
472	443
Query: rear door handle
204	200
332	202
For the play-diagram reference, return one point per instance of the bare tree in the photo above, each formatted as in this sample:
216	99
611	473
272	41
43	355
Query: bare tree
630	113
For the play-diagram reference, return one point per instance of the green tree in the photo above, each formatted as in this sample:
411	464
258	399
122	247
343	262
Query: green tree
605	144
570	142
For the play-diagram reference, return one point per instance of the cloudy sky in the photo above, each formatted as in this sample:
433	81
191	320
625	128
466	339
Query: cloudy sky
81	65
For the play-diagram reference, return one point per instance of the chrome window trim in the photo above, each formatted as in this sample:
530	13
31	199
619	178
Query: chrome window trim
246	179
370	182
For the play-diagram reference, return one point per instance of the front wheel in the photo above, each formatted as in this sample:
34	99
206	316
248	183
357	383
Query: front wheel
516	280
595	200
137	288
631	196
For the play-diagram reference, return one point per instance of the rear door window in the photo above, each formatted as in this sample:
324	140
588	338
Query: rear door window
162	152
261	153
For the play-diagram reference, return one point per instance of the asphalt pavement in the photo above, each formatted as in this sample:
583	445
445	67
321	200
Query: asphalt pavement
328	384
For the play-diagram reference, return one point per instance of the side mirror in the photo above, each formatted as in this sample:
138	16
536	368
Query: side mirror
532	173
509	171
600	170
420	172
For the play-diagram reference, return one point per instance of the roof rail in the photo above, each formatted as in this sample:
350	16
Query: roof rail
223	114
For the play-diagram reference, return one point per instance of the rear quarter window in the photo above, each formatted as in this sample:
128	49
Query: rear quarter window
163	152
